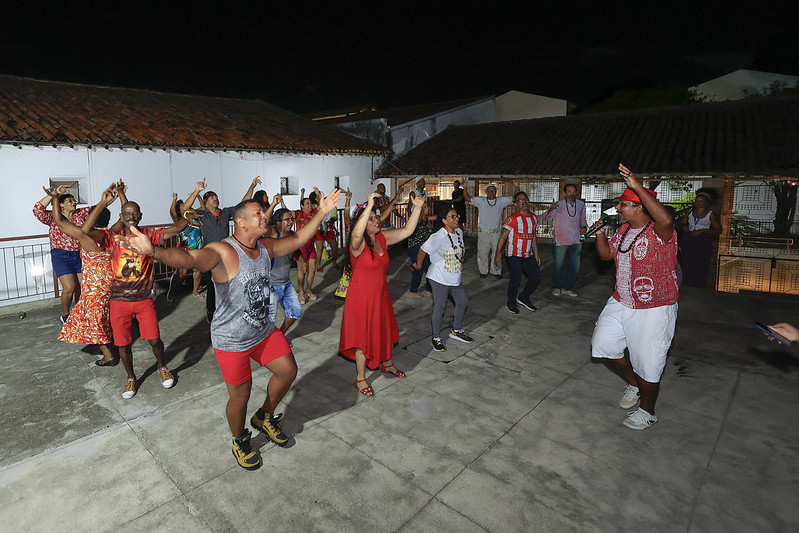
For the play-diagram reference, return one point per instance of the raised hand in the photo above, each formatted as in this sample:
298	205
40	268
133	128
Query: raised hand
276	199
629	178
348	194
256	181
418	201
138	242
110	194
200	185
327	203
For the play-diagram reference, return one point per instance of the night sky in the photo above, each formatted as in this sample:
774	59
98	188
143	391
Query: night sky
387	55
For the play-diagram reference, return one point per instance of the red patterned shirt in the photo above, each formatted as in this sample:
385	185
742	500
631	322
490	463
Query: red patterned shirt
645	276
522	232
301	218
133	273
59	239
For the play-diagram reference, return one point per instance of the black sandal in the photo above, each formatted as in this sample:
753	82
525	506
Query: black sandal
111	362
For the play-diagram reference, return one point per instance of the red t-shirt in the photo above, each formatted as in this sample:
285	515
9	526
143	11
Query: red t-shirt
645	275
301	218
132	279
522	231
59	239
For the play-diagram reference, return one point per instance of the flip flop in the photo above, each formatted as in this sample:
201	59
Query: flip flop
111	362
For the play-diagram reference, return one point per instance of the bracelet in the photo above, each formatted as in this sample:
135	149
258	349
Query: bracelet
535	249
186	213
153	254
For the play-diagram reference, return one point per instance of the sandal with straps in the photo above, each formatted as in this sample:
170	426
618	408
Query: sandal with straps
367	390
397	372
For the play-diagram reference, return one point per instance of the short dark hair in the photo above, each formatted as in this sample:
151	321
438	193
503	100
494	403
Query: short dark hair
209	194
62	197
278	215
570	185
516	196
103	219
238	211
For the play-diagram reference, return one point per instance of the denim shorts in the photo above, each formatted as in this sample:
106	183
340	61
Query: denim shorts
65	262
289	301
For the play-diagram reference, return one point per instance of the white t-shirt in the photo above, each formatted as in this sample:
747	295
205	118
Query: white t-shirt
491	210
446	251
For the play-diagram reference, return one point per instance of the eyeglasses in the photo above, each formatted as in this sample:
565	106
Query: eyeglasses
454	216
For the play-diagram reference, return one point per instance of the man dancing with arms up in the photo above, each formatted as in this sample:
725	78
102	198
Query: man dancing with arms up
642	312
241	328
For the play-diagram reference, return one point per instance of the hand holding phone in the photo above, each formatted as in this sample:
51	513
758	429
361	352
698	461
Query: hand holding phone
771	334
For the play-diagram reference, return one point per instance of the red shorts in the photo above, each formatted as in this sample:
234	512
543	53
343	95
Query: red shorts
235	366
308	251
122	314
329	236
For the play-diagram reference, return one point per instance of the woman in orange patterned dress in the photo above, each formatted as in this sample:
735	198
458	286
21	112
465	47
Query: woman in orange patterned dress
89	321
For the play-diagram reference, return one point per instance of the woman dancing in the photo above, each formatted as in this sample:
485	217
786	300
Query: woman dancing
369	326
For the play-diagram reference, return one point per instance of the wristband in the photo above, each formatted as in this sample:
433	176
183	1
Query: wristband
535	249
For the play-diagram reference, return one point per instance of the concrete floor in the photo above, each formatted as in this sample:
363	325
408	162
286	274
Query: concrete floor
519	431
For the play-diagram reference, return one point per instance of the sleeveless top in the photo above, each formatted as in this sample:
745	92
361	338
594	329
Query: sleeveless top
695	223
241	319
281	266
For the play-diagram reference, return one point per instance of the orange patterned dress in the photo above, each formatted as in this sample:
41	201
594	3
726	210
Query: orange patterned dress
89	321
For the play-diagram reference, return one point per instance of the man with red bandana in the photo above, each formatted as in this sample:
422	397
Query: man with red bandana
642	313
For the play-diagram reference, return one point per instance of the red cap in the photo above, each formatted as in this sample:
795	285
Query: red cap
630	196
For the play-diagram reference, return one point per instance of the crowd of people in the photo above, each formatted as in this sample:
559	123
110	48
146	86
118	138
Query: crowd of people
246	275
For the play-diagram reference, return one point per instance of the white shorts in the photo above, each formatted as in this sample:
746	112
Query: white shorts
646	333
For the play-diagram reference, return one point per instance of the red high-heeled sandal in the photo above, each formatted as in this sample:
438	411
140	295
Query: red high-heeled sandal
366	391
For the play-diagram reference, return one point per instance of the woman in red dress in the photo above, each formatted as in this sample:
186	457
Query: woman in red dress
369	326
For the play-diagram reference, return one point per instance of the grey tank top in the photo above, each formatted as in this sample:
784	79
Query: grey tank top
241	319
281	267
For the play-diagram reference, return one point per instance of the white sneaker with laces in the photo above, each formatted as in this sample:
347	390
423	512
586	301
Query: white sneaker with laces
630	397
639	419
556	292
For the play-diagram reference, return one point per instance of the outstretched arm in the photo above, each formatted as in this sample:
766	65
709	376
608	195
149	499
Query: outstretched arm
394	236
203	259
286	245
68	227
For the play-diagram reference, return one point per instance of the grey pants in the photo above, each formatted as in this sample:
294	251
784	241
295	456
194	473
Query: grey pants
440	296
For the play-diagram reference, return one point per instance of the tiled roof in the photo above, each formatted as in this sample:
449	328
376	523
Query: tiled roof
754	137
402	115
44	112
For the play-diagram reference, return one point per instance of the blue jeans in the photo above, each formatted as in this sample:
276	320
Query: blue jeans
416	275
570	255
518	266
289	300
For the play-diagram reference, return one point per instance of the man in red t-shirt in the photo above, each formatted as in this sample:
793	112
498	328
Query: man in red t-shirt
518	231
132	287
642	313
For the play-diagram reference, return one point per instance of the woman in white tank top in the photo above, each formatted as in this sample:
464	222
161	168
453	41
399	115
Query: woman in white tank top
701	226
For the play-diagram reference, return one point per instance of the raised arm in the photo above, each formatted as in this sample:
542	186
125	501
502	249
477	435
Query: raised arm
255	182
276	199
286	245
662	218
466	197
356	241
347	217
69	228
385	211
109	195
176	228
198	188
394	236
173	208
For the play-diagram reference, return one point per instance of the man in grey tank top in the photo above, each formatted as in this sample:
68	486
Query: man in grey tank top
282	289
241	329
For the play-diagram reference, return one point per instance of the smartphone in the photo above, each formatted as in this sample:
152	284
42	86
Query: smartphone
772	334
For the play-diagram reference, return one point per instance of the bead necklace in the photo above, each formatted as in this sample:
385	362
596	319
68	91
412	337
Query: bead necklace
489	202
455	249
621	241
575	209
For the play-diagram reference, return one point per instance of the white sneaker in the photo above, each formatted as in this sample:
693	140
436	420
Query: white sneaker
639	419
556	292
630	397
570	293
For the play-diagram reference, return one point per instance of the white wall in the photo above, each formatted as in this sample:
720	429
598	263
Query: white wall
152	176
741	83
410	135
517	105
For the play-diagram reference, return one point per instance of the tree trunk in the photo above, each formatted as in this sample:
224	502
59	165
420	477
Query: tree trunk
785	194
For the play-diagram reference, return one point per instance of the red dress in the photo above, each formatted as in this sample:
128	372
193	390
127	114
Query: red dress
369	322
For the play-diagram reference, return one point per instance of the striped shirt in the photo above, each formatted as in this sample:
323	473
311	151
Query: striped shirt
522	233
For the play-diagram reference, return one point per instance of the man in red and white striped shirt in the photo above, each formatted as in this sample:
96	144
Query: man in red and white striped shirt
518	231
